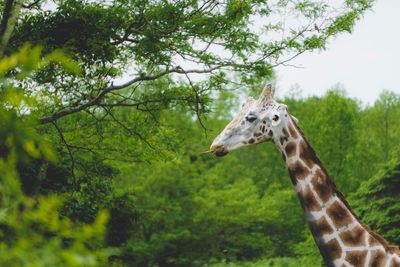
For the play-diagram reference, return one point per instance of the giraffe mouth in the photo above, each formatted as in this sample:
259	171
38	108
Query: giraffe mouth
219	151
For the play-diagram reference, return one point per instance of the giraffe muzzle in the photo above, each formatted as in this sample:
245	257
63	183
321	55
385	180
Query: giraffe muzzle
218	150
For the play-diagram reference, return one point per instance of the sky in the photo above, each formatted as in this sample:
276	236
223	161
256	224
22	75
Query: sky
364	63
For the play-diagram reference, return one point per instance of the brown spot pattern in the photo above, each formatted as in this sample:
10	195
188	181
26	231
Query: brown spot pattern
290	149
292	131
377	258
285	133
394	249
284	136
354	237
356	258
331	250
395	263
339	215
373	241
281	140
322	186
297	171
320	227
270	133
307	154
308	200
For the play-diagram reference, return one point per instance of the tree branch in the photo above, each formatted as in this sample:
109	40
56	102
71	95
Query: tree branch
6	15
10	16
97	100
29	6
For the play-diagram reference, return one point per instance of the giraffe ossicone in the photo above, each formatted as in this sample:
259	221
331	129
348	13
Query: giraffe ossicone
341	237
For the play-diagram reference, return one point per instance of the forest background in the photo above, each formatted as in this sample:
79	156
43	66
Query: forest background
106	106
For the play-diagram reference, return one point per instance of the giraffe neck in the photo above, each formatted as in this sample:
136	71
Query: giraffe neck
341	238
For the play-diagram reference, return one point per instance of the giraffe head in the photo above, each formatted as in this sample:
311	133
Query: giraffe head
258	121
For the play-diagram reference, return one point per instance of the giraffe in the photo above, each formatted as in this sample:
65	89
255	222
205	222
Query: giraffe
343	240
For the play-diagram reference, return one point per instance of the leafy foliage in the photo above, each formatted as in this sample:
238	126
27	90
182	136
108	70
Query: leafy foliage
152	40
98	169
32	231
381	192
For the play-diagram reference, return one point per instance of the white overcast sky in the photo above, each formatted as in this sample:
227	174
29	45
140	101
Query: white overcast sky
364	62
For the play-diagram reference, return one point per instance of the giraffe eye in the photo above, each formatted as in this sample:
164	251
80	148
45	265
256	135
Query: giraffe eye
251	118
275	118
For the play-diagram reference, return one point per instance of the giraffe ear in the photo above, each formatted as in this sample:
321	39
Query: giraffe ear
267	94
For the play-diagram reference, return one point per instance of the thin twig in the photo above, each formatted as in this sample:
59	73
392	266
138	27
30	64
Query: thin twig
197	104
129	130
71	155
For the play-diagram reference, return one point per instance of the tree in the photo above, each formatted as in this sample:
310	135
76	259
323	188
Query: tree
377	134
151	40
377	202
32	230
